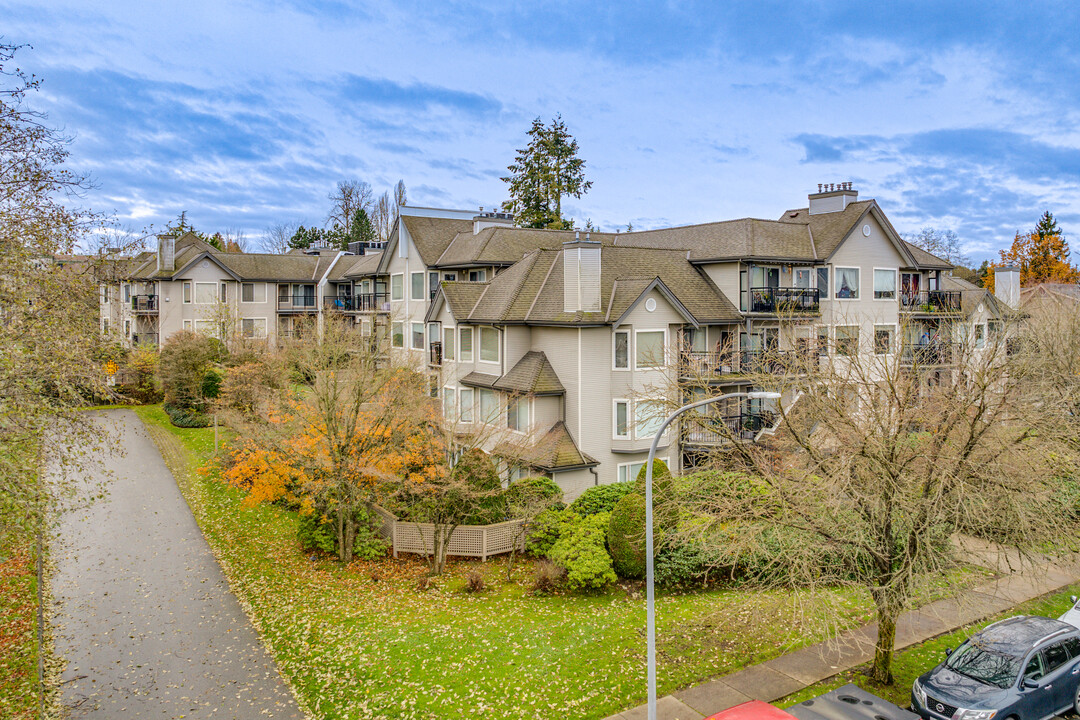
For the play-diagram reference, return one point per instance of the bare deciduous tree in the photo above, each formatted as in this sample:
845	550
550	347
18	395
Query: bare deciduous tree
276	237
875	462
348	197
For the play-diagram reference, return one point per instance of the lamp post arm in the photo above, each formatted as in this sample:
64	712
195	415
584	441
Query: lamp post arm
650	606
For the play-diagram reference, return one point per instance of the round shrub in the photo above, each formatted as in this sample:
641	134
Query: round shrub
580	549
600	498
186	417
679	564
532	492
665	510
626	537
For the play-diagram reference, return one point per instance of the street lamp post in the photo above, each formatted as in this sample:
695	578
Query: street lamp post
650	605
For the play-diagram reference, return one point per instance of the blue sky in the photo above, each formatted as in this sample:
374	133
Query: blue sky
957	115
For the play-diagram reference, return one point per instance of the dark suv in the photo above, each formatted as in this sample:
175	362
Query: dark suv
1024	668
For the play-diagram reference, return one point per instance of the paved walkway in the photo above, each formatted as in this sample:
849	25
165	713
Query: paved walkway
779	677
142	613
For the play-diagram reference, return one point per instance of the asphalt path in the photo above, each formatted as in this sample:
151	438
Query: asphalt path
142	613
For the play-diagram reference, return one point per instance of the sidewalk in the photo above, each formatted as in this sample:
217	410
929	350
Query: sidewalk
789	673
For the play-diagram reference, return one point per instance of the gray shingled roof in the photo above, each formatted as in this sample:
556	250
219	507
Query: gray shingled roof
970	294
555	451
531	291
531	375
507	245
926	260
432	235
352	266
482	380
462	297
745	238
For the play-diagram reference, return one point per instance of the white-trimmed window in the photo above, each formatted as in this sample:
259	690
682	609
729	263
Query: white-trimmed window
416	286
847	340
127	292
489	345
621	419
104	293
224	292
365	327
517	414
980	335
449	277
649	348
397	334
847	283
466	344
206	327
397	287
621	350
253	327
127	328
187	325
418	333
884	284
802	278
883	339
648	417
187	293
253	292
205	293
449	402
448	343
489	406
466	404
477	275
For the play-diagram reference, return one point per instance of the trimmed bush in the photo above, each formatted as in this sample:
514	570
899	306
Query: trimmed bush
626	537
681	564
187	418
600	498
317	532
580	549
544	531
538	490
665	510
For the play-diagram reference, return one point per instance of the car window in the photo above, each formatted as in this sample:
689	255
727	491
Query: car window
985	665
1073	646
1055	656
1034	670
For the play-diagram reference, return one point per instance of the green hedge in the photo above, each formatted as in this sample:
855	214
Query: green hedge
600	499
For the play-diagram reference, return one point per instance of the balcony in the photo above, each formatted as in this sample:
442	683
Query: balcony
784	300
296	303
144	339
710	364
932	302
339	303
375	302
711	430
144	303
928	354
435	358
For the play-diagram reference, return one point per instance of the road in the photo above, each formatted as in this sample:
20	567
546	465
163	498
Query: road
142	612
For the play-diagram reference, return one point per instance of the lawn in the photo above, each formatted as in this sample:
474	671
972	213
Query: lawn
914	661
365	642
18	626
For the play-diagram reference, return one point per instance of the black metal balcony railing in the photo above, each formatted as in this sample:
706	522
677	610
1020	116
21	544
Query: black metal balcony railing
931	301
782	300
702	364
708	430
144	303
144	339
296	302
341	303
372	302
436	353
929	353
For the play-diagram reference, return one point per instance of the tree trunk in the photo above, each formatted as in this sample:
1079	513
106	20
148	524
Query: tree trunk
350	537
340	517
887	612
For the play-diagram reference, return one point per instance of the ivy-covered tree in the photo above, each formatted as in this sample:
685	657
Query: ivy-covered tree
542	172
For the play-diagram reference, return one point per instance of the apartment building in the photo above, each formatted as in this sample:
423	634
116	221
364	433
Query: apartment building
187	284
569	343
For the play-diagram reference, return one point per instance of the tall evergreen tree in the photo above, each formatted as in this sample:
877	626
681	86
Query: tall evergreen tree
1047	227
361	229
542	172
